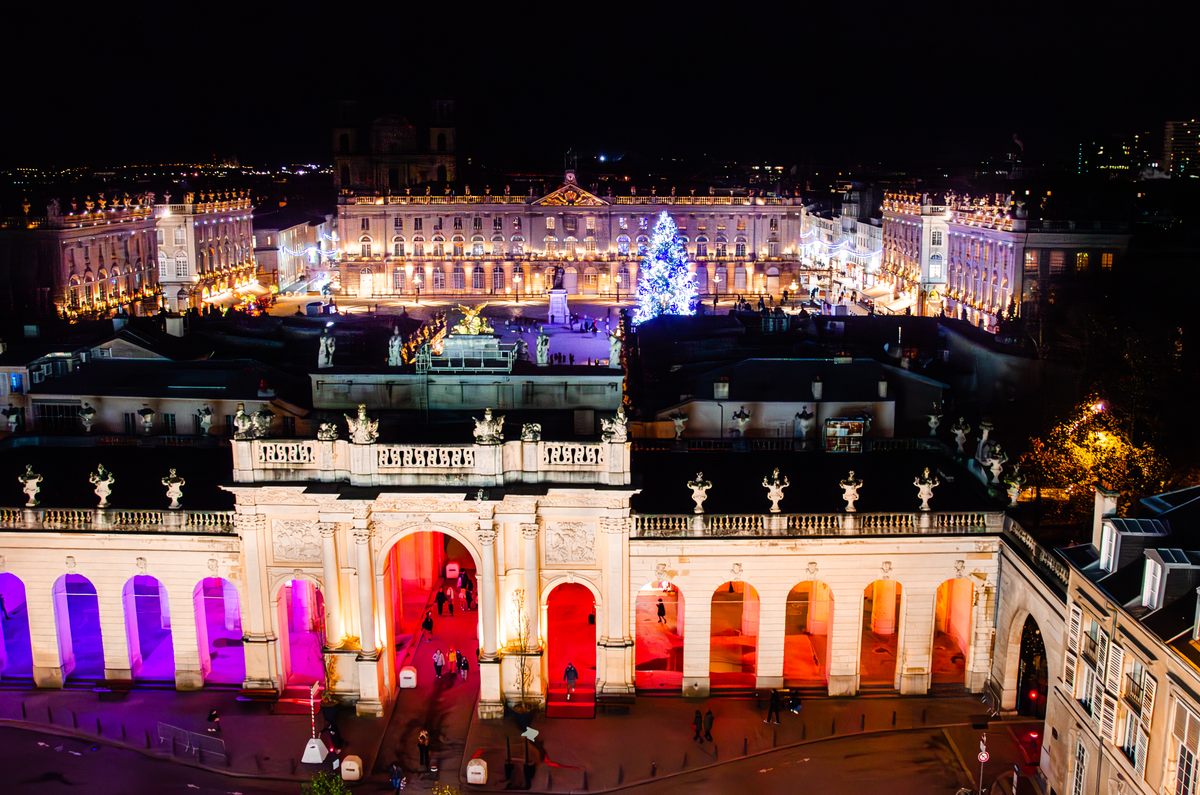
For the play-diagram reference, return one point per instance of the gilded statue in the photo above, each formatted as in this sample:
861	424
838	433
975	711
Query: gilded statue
473	323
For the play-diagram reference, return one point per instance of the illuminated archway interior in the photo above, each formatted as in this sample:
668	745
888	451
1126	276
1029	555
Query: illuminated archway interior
1032	671
880	634
952	631
77	615
808	619
571	639
302	619
733	638
16	655
658	645
148	629
219	631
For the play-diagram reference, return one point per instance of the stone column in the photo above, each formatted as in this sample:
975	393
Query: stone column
615	661
491	700
370	702
185	640
529	534
697	642
883	607
117	664
915	650
332	582
44	632
772	629
983	630
845	656
261	641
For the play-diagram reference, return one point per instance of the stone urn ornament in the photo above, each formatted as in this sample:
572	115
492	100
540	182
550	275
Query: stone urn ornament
679	420
103	480
935	419
531	432
775	486
205	417
926	483
960	429
87	417
850	487
174	485
1015	482
699	487
996	461
327	432
30	484
739	421
243	424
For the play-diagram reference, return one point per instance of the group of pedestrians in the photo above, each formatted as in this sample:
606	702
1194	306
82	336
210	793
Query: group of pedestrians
462	593
458	662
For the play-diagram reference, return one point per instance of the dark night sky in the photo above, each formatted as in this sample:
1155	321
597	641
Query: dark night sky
175	81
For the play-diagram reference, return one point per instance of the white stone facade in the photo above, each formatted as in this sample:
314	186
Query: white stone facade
205	247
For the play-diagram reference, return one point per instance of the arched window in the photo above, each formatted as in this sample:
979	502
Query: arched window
439	279
701	247
102	285
399	282
623	245
181	265
551	245
397	247
623	277
518	245
773	246
439	246
739	247
589	246
477	278
497	245
571	247
456	244
418	246
721	246
364	246
497	278
458	280
643	243
162	261
477	246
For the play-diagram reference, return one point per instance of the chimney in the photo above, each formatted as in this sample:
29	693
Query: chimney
175	326
817	387
882	387
1105	506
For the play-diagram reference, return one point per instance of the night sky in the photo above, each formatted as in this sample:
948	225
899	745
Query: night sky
178	81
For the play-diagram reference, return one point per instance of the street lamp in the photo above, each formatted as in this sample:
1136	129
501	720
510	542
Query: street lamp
417	287
517	283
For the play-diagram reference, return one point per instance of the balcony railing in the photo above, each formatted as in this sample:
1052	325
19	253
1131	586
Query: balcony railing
746	525
118	520
1088	649
1133	692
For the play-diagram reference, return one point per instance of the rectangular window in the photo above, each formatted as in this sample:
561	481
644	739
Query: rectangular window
1058	261
16	383
179	236
365	224
1106	261
1150	581
622	222
498	224
132	423
935	238
549	222
159	237
1031	262
590	223
1082	261
168	424
477	223
1186	732
458	223
417	224
1108	547
1078	779
398	222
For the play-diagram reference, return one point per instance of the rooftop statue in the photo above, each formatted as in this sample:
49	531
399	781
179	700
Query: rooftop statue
699	488
616	429
925	484
775	487
174	485
531	432
473	323
30	484
850	487
490	429
363	429
103	480
243	425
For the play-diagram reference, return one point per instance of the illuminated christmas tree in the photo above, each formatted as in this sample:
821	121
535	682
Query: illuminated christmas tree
665	287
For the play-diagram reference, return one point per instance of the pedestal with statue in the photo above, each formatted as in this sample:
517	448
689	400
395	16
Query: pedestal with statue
559	313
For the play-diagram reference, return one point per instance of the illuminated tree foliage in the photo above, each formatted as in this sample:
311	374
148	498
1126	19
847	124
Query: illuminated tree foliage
1089	446
665	286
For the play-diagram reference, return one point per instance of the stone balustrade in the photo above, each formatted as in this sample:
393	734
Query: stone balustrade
118	520
1041	557
646	526
456	465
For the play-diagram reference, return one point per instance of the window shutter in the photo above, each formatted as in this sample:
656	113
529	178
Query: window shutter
1073	632
1097	705
1108	718
1116	659
1139	752
1069	674
1148	688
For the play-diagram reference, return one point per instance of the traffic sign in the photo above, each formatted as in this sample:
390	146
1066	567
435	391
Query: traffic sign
983	757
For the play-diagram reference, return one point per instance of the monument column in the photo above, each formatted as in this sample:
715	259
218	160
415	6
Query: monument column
615	674
370	702
332	582
260	640
491	701
529	534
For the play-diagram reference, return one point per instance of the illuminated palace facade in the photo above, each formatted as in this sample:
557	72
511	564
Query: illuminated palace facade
505	245
205	247
981	259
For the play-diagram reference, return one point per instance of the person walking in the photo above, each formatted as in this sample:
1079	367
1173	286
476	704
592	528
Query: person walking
773	707
427	625
439	662
462	598
470	594
214	719
698	725
441	601
396	777
448	597
570	676
464	666
662	611
708	724
423	748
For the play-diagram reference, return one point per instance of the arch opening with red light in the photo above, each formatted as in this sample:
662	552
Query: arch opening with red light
953	604
658	637
733	637
806	643
880	634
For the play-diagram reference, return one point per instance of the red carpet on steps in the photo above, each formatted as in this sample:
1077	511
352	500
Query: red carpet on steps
581	705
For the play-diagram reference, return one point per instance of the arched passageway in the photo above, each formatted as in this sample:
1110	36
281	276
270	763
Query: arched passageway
952	631
219	631
148	629
16	655
880	634
809	617
1032	671
658	641
77	618
302	636
733	638
571	640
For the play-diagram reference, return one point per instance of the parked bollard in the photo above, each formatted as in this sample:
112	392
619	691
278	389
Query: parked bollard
746	745
893	717
862	722
99	732
833	726
653	769
22	710
74	720
922	717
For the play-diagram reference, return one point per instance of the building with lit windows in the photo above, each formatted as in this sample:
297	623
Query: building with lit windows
1128	696
1181	147
388	152
290	246
492	243
98	256
982	259
847	246
205	248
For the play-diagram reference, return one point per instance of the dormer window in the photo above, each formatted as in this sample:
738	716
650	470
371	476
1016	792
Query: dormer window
1151	582
1108	547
